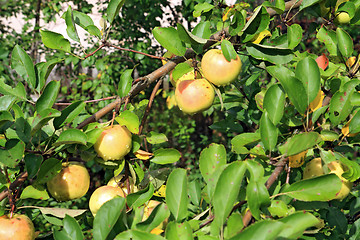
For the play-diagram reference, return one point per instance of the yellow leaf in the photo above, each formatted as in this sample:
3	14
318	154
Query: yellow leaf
317	102
170	101
297	160
260	36
350	61
142	155
157	231
161	191
226	15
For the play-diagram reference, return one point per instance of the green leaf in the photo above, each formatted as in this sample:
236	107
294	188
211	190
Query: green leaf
292	86
86	23
71	136
301	142
134	234
106	217
125	83
345	43
71	230
23	65
169	39
268	132
48	97
48	170
69	114
329	38
307	71
307	3
137	199
234	225
70	25
340	104
157	216
337	219
258	22
255	169
201	8
239	142
354	126
271	54
43	70
13	152
202	30
113	9
166	156
19	91
6	102
274	103
181	69
257	196
130	120
5	116
228	50
322	188
156	138
278	208
179	231
176	194
55	41
195	192
296	224
294	35
211	160
262	230
32	163
226	193
188	37
34	192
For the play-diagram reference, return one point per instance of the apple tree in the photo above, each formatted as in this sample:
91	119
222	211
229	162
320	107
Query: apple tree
279	82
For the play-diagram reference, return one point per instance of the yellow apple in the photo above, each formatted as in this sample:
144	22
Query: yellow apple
313	169
72	182
19	227
113	143
193	96
217	70
337	168
103	194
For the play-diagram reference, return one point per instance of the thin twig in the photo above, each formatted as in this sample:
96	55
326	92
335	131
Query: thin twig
148	107
20	179
88	101
134	51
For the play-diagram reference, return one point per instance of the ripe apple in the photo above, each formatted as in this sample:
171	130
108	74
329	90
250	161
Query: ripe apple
113	143
103	194
217	70
337	168
71	182
115	182
19	227
313	169
194	96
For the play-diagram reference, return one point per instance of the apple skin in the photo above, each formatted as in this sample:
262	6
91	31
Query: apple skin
71	183
103	194
19	227
193	96
336	167
313	169
342	18
113	143
217	70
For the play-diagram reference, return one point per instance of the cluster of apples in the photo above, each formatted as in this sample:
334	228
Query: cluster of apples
73	182
194	91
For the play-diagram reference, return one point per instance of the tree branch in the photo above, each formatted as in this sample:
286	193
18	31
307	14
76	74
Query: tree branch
21	178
